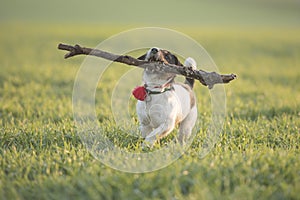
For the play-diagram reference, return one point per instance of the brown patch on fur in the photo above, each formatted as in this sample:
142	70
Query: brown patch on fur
177	121
192	96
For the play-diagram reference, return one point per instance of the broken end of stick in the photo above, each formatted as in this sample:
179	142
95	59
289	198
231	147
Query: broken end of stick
73	50
225	79
228	78
232	77
60	46
68	55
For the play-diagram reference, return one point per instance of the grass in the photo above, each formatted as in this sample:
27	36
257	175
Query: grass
257	156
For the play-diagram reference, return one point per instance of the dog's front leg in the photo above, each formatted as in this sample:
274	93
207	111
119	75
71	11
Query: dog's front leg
145	130
159	132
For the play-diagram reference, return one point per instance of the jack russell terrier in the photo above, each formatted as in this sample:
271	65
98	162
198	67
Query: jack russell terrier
165	103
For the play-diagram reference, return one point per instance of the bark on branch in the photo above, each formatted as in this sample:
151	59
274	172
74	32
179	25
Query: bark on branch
205	78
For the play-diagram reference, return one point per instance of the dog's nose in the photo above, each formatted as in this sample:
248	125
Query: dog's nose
154	50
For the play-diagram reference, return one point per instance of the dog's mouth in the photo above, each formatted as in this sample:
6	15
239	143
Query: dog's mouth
153	59
156	56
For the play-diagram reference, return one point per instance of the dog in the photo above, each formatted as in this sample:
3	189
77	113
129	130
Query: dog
167	103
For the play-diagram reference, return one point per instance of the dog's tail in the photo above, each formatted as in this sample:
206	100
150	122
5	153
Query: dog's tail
190	62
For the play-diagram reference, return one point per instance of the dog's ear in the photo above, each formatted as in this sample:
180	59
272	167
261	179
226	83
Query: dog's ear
143	57
177	62
171	58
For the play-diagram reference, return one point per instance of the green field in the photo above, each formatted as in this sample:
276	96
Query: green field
256	156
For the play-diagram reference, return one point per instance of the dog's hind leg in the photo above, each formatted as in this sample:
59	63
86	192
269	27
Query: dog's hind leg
186	126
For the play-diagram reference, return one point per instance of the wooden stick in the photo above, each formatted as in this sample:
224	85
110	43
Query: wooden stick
205	78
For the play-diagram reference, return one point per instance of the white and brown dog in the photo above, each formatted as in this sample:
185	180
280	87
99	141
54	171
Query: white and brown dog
167	103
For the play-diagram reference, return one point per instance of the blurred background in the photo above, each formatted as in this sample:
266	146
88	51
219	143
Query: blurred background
257	13
216	25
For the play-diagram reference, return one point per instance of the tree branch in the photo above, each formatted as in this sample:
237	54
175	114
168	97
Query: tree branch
205	78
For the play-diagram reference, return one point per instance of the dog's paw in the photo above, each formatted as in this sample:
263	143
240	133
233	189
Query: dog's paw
146	145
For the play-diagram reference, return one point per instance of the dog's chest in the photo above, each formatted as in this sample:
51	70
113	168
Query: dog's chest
157	108
170	104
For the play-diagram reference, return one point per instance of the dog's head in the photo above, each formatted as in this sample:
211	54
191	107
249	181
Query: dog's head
160	55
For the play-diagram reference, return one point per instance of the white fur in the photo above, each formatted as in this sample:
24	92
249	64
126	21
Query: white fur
190	62
159	113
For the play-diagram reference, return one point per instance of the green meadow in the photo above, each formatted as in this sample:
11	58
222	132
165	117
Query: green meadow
256	155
